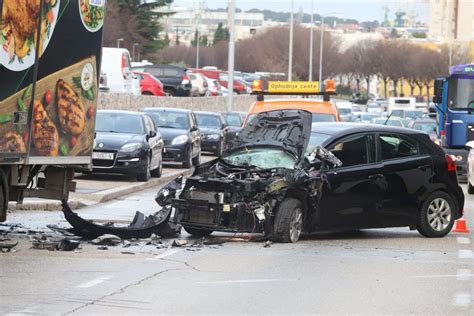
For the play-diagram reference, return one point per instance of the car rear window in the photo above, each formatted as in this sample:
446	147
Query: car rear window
394	147
322	117
208	120
168	119
171	72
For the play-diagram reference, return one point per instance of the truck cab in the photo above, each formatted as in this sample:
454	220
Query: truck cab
454	100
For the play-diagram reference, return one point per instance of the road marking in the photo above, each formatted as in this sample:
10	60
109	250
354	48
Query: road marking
463	240
465	254
93	282
249	281
463	275
165	254
27	311
459	275
462	300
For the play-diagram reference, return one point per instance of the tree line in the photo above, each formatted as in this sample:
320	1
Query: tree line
393	61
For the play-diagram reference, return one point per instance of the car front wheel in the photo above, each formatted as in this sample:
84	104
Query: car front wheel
288	223
188	160
145	176
436	217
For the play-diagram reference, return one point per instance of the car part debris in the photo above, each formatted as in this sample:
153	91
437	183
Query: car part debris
141	227
107	240
6	245
43	242
67	244
127	253
102	248
179	243
267	244
60	230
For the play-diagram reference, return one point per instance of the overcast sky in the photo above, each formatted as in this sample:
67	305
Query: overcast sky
362	10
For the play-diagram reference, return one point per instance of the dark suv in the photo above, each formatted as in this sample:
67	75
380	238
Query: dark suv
175	80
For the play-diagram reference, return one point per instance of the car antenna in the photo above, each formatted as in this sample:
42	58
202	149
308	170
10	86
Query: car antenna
386	121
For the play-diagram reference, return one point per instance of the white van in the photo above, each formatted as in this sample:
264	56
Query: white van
116	66
397	105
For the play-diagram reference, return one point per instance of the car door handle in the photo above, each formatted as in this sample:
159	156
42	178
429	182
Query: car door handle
376	176
424	167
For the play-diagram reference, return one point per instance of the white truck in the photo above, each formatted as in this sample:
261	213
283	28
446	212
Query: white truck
397	105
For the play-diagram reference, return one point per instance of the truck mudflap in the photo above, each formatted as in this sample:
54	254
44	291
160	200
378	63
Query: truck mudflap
141	226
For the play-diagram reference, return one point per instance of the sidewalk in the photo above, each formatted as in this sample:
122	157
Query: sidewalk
95	189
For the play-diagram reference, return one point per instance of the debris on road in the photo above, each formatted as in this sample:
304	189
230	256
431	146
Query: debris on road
267	244
141	227
67	244
6	245
107	240
102	248
179	243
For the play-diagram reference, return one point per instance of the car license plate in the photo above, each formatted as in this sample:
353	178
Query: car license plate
103	156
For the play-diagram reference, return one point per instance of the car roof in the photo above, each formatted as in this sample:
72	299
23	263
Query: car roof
121	112
208	113
166	110
310	105
424	120
344	128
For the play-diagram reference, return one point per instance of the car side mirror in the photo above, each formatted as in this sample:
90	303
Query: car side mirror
469	145
438	90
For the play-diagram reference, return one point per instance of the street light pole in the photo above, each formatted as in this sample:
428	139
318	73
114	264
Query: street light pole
230	83
118	42
321	55
290	50
311	36
133	51
197	48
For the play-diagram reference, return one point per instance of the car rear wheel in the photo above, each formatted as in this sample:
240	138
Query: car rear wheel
470	188
145	176
197	159
436	217
197	231
158	171
288	223
188	162
169	93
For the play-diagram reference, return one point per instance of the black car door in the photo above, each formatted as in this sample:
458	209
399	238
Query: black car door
155	141
195	135
408	170
351	195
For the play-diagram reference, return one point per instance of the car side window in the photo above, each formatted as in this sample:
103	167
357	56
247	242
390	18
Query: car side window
170	72
149	125
357	150
395	146
193	121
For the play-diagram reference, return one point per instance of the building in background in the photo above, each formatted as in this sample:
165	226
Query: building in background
451	20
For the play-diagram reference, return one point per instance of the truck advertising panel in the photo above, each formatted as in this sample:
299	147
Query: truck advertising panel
50	52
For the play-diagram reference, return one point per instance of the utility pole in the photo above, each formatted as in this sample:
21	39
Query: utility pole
198	22
197	48
290	50
311	36
321	55
230	83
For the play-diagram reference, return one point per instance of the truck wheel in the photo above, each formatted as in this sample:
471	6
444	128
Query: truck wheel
470	188
197	232
436	216
145	176
3	196
288	223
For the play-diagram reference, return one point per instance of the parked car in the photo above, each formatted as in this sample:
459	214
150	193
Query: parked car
127	143
428	126
214	131
199	83
175	79
234	123
355	176
180	133
392	121
222	78
345	111
364	117
116	68
470	167
149	84
374	108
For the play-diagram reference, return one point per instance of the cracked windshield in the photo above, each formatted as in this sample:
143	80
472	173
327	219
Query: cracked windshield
269	157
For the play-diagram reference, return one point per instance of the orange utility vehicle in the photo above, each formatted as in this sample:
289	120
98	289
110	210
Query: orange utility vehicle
323	110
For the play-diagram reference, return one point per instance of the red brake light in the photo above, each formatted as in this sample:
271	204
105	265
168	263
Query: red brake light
451	162
185	79
124	65
443	132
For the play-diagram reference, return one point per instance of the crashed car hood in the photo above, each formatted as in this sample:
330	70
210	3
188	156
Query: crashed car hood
286	129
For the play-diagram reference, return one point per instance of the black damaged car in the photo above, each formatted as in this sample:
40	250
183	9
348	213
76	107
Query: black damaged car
281	178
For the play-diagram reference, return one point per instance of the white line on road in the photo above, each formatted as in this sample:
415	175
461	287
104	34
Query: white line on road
249	281
465	254
434	276
94	282
463	240
462	300
463	275
165	254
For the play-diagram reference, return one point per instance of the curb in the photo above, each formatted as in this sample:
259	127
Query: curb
80	200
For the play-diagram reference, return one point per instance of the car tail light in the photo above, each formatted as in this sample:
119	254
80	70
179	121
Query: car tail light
185	79
443	132
451	162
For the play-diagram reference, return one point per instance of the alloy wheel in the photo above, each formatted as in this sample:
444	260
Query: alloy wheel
439	214
296	225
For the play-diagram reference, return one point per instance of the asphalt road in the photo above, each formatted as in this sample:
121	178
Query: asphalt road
393	271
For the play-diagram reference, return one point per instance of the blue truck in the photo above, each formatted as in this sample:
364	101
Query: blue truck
454	101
